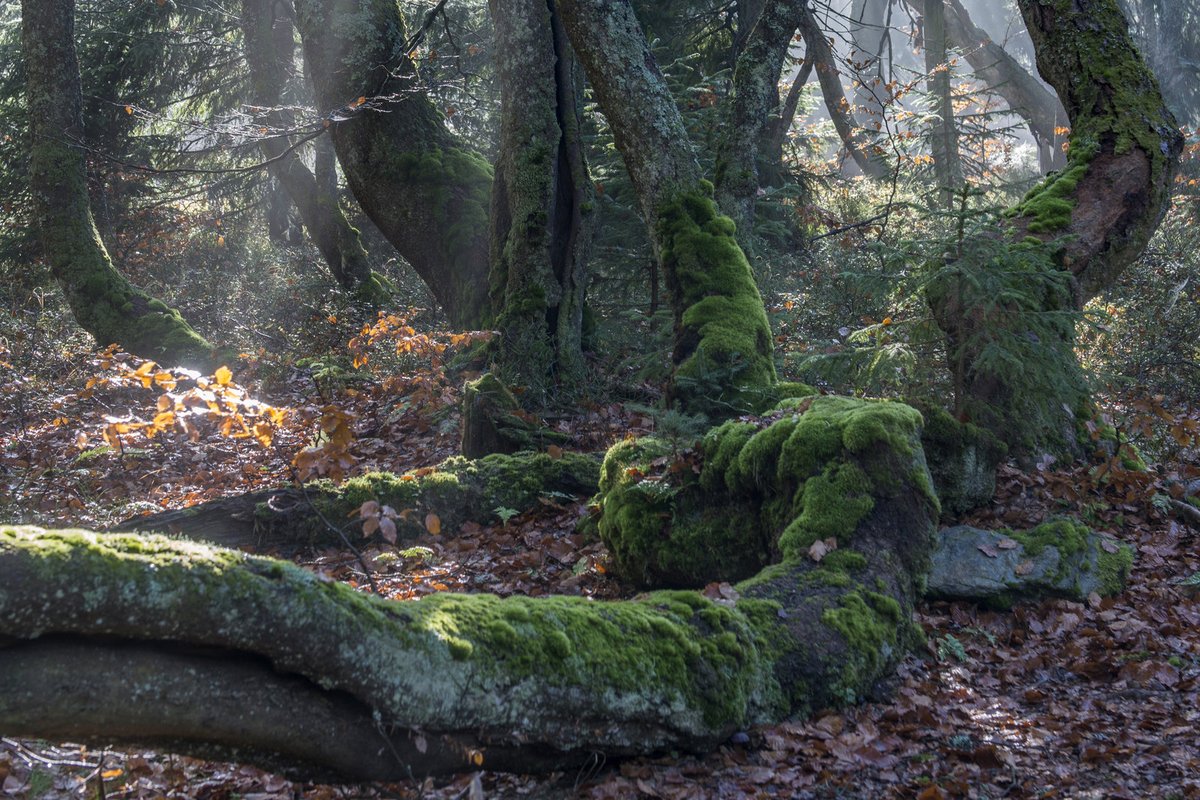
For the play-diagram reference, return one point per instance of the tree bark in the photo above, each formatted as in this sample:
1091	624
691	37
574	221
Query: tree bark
542	203
722	356
171	629
1093	218
753	99
425	191
1025	95
947	166
102	301
269	50
828	75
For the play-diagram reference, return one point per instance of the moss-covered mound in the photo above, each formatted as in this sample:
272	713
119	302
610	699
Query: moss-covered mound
761	490
962	460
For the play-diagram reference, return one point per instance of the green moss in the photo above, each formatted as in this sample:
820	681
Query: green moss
871	625
1052	201
723	355
1072	538
767	487
845	560
831	505
673	652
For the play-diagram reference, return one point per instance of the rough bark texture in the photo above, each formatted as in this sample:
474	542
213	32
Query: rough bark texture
828	75
267	31
426	192
1095	217
103	302
474	680
1024	93
753	99
723	352
542	202
946	163
458	490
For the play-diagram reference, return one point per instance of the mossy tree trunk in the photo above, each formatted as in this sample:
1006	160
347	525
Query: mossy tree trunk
723	353
270	53
830	78
947	166
1091	221
541	202
754	99
425	191
450	683
103	301
995	66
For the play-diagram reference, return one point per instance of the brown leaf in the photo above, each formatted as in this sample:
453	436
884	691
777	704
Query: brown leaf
988	551
1024	568
1109	545
387	529
1008	544
433	523
554	451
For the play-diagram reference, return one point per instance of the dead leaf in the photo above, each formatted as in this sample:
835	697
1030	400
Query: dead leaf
1008	544
433	523
988	551
1024	568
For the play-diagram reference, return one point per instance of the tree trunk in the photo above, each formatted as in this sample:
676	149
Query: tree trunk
947	166
269	50
103	302
753	99
828	75
1003	74
722	357
270	652
777	133
541	202
871	37
1094	218
426	192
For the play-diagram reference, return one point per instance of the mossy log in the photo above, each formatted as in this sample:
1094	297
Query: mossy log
457	490
454	682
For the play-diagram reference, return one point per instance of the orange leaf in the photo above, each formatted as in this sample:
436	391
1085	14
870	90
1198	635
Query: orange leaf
223	376
554	451
433	523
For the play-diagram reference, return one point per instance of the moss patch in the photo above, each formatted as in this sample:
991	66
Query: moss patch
723	353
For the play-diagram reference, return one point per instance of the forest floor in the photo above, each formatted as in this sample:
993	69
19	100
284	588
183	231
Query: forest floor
1048	700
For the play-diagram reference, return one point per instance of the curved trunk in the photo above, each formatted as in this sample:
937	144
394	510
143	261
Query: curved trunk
723	352
103	302
541	202
425	191
828	75
454	682
1094	218
269	53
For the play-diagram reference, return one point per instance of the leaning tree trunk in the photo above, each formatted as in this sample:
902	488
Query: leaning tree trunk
870	35
270	54
213	651
425	191
830	78
541	202
723	353
947	166
1004	75
1095	217
103	302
